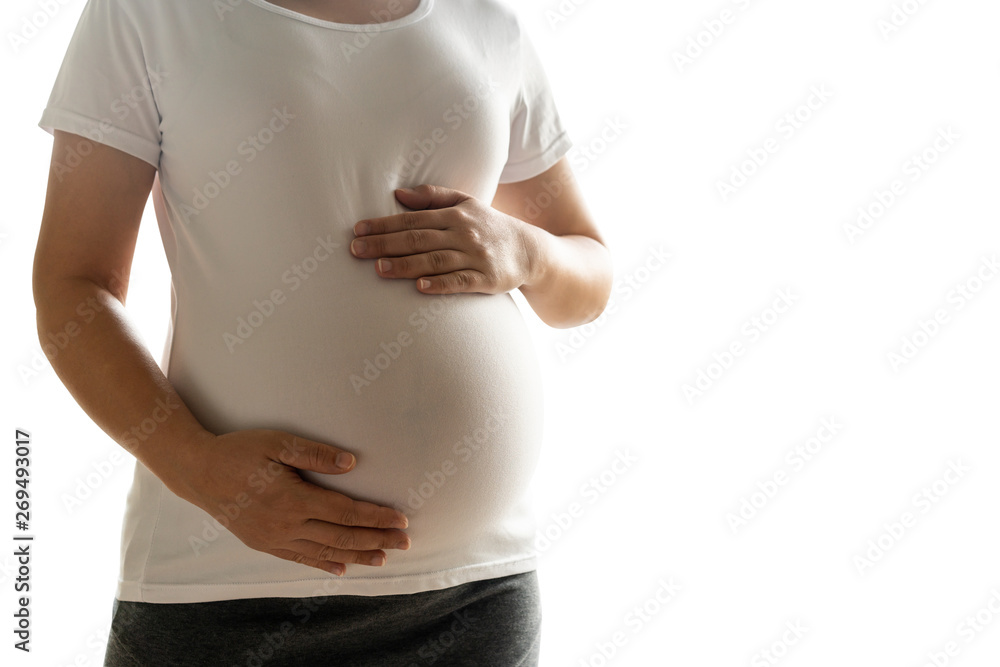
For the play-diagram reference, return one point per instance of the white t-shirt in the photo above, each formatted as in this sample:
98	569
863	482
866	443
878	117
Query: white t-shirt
273	133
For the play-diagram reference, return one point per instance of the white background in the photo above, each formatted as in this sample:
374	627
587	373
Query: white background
654	185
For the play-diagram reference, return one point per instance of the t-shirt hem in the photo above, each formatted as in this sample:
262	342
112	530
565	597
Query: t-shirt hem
102	132
525	169
367	586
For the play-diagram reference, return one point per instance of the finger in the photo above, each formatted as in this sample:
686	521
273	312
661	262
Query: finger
399	222
399	243
311	455
333	507
327	566
466	280
325	553
315	542
347	538
427	196
429	263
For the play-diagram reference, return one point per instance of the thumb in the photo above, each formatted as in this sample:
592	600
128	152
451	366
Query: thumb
317	456
426	196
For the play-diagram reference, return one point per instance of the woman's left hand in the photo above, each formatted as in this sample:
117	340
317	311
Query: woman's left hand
449	242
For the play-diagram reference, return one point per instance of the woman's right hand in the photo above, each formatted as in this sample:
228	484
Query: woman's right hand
248	481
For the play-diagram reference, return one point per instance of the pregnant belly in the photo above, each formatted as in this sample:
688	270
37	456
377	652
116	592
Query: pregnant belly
439	397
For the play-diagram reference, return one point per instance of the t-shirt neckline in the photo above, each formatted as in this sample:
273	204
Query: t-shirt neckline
423	9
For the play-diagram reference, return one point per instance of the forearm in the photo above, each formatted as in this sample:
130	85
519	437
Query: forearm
570	280
105	366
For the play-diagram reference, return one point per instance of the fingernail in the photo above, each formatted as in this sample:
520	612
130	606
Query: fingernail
358	246
362	229
384	265
345	460
403	544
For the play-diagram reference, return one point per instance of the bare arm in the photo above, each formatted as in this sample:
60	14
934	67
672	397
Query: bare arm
571	270
80	282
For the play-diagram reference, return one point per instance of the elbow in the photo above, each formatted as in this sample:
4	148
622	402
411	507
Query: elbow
602	289
587	311
41	296
37	276
574	320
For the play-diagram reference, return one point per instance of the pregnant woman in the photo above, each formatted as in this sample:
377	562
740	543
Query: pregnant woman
333	454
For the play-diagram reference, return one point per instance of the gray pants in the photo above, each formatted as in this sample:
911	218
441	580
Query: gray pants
490	623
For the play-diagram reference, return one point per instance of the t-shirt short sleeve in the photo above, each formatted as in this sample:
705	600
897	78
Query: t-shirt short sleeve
104	90
537	137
